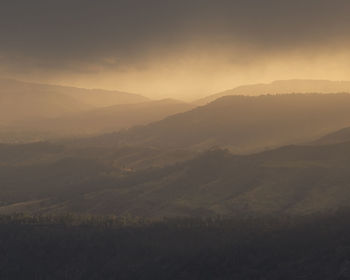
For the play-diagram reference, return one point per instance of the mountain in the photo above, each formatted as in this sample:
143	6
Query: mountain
282	87
292	180
242	123
22	100
156	170
106	119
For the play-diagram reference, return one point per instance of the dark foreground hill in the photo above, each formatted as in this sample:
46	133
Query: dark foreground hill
313	248
292	180
242	123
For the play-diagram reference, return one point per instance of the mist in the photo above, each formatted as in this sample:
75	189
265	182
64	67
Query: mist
175	139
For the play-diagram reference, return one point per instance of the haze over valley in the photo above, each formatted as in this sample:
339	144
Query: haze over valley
188	139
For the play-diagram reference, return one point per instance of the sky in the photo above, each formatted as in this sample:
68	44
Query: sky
183	49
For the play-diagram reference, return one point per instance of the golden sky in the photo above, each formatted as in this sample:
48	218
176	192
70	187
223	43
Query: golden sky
183	49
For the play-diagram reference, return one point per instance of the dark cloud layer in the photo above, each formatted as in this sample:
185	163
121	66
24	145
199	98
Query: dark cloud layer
90	36
127	30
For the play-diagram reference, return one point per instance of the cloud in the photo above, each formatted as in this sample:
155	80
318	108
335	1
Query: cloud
85	36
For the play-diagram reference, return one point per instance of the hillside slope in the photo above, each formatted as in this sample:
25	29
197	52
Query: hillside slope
22	100
291	180
339	136
243	124
106	119
283	87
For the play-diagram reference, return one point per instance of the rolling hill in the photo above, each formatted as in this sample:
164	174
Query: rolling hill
155	170
342	135
242	123
22	100
294	180
283	87
106	119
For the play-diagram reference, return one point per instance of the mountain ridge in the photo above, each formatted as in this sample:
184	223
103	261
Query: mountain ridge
103	120
339	136
243	123
282	87
23	100
294	180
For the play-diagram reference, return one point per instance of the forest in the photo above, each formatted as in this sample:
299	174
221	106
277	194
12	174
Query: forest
94	247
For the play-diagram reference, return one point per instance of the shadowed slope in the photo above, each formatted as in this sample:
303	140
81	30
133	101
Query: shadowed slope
292	179
244	123
339	136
